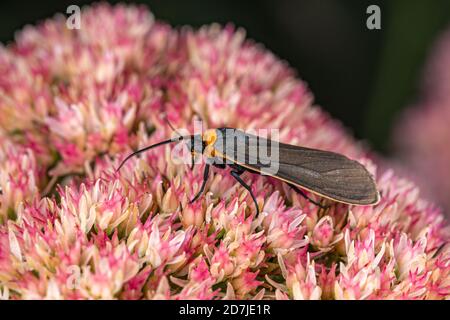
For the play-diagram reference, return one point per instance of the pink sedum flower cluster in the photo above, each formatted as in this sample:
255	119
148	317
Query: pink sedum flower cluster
424	151
73	103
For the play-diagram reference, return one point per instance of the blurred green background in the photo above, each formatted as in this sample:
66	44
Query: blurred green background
362	77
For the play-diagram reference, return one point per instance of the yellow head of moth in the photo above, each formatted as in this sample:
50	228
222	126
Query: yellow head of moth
209	137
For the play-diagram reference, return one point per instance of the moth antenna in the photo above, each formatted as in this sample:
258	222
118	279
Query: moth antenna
151	147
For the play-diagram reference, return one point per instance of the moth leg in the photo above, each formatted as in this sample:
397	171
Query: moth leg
300	192
205	179
236	174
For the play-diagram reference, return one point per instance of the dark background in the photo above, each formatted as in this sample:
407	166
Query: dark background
362	77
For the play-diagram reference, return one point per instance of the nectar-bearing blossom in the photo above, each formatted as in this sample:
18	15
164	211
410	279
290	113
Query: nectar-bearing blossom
73	105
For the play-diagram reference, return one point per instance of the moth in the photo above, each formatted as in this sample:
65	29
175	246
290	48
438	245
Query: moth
327	174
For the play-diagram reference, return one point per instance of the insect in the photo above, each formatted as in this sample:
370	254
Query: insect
324	173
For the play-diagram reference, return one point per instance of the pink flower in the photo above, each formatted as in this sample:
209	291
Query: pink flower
283	227
222	263
245	283
193	215
323	234
410	258
302	282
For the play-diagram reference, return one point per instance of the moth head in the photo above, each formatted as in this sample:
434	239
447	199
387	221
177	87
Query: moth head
209	137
